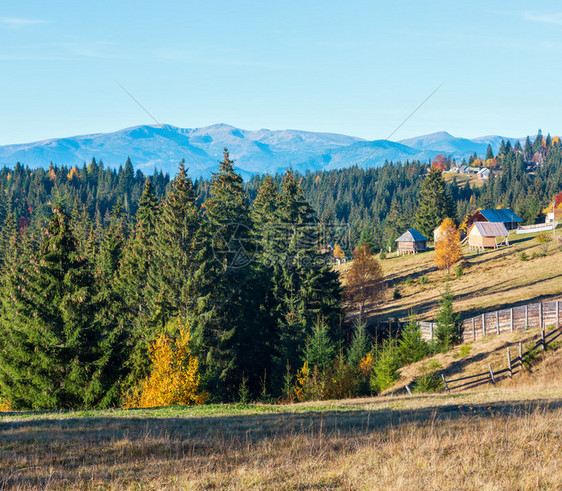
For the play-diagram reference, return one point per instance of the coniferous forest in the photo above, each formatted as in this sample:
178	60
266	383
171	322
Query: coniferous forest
101	268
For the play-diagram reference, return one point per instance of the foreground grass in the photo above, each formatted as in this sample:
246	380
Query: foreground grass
474	440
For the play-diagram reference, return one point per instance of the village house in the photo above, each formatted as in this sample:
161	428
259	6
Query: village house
487	235
505	216
411	242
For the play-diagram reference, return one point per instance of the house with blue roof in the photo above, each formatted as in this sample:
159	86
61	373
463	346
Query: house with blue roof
506	216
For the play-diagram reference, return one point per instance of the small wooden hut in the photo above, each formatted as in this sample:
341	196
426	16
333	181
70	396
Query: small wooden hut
411	242
487	235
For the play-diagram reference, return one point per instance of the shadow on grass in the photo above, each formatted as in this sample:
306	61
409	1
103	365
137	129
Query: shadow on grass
111	450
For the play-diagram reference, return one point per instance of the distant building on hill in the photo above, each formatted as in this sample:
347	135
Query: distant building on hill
505	216
484	173
411	242
487	235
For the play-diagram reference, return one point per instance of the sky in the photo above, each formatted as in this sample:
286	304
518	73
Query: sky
354	67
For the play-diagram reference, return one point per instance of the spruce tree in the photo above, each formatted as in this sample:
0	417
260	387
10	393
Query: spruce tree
231	342
447	330
411	346
435	203
176	274
50	338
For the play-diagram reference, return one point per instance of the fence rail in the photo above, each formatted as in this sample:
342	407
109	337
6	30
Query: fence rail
530	316
514	365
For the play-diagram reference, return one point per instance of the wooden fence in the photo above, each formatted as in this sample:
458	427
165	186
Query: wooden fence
534	315
513	366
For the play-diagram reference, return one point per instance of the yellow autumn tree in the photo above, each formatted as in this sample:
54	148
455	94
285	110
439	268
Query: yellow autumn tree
338	252
4	405
447	248
174	377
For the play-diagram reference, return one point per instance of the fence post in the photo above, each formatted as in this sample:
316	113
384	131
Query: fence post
543	341
540	315
492	373
473	330
408	389
509	363
520	356
483	325
498	320
445	382
511	319
431	330
526	317
557	313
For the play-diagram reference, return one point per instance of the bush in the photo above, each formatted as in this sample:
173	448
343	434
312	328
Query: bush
411	346
459	271
385	371
447	330
424	280
430	380
396	295
382	255
523	256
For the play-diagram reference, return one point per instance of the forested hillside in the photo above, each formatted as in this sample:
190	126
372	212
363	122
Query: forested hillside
113	284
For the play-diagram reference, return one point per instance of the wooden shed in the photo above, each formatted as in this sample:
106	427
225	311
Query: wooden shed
411	242
487	235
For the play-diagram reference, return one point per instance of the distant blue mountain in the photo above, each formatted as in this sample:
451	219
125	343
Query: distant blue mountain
254	152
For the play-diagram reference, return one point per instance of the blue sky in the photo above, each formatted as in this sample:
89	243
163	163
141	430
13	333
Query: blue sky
354	67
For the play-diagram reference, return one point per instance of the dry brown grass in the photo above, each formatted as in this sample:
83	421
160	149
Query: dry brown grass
479	440
474	358
491	280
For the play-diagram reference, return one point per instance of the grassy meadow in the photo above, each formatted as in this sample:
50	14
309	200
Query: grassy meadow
491	280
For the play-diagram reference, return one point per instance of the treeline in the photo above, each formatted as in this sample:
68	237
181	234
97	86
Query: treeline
27	193
82	304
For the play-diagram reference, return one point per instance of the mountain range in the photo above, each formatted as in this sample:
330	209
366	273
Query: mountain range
254	152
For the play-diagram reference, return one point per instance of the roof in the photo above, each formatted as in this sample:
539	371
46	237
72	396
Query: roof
506	216
411	235
489	229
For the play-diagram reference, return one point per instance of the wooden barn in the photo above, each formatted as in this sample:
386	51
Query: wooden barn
487	235
506	216
411	242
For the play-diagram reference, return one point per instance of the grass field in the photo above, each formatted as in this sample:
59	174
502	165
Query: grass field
491	280
480	440
507	436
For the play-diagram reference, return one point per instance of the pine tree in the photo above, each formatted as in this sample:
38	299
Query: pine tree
320	349
231	344
411	346
359	346
435	203
51	340
447	329
176	274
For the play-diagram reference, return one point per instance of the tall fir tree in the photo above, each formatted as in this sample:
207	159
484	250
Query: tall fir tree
435	203
231	341
51	354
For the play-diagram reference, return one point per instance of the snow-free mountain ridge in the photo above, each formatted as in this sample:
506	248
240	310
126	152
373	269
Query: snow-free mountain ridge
254	151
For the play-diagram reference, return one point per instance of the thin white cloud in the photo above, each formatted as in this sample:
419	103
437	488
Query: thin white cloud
19	22
554	19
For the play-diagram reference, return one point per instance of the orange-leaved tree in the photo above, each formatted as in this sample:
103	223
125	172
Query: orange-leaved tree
364	278
173	378
338	252
447	248
4	405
